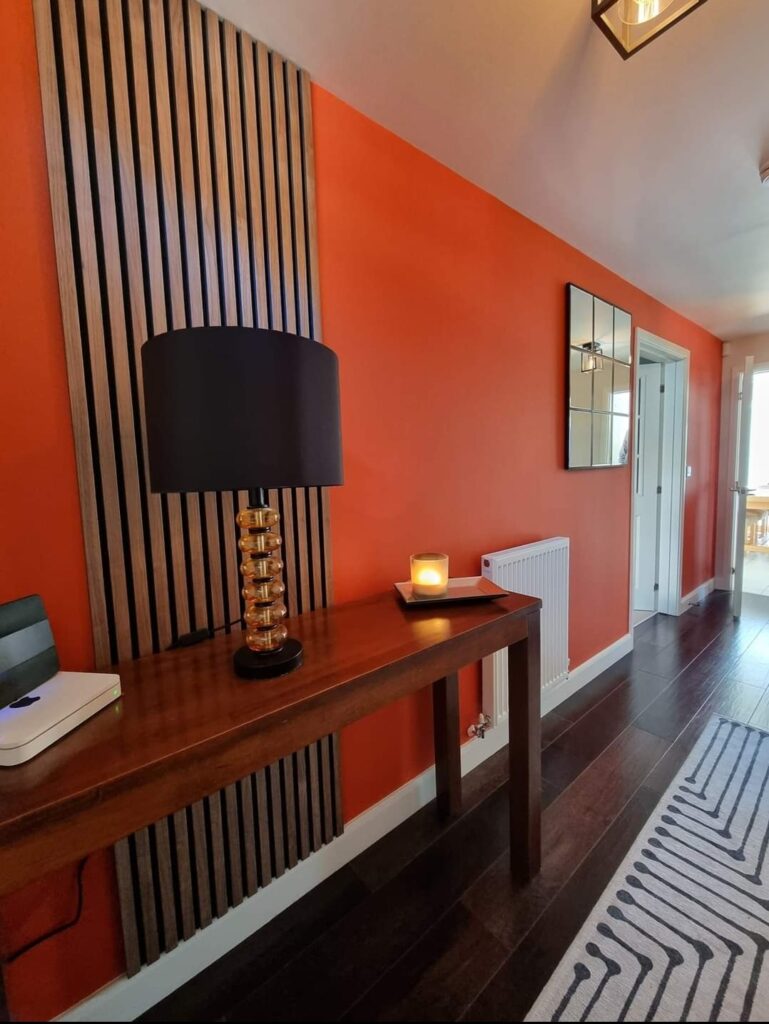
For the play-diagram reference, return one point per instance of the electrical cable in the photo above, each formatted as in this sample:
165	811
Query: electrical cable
54	931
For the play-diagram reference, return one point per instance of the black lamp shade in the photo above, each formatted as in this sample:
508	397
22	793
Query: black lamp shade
233	408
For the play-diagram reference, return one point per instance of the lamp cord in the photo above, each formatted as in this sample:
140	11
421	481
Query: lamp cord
197	636
54	931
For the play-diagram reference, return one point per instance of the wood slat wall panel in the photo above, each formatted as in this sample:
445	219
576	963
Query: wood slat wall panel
181	168
181	172
263	836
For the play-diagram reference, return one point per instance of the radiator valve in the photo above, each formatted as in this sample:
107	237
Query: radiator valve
479	728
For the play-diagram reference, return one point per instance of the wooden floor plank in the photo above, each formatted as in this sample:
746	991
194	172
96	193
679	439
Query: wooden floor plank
426	924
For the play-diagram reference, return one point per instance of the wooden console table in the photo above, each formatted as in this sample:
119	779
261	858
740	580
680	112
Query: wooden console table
187	726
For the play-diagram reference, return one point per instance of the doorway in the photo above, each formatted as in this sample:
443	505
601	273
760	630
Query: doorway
659	474
755	578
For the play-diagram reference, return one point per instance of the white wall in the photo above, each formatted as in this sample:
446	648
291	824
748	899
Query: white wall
735	352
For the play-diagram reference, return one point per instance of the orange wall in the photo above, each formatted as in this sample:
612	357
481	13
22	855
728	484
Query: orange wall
447	311
41	545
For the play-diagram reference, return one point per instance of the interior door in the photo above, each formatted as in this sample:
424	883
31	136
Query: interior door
743	382
646	484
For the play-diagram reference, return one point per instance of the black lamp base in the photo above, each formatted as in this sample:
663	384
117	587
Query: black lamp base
253	665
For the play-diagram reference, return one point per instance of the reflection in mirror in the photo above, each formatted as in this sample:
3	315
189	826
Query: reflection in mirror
621	335
621	391
601	439
581	317
620	440
602	387
604	327
579	439
581	384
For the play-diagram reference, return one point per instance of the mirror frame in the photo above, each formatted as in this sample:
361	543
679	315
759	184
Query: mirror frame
569	347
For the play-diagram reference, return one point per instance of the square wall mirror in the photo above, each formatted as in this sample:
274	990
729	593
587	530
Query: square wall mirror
598	369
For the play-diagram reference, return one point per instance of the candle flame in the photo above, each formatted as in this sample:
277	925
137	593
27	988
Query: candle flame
428	576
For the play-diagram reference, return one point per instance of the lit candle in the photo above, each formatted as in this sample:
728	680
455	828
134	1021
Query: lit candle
429	574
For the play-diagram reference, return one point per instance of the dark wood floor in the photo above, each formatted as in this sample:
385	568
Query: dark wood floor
426	924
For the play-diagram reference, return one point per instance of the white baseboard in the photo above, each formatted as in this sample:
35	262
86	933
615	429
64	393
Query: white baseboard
723	583
698	594
586	672
127	998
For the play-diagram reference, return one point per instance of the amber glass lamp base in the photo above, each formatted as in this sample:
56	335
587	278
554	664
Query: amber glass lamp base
264	665
269	650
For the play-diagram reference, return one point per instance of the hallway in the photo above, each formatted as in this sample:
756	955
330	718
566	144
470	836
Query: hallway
425	925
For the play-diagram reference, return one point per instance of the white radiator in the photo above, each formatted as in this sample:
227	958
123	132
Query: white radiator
538	570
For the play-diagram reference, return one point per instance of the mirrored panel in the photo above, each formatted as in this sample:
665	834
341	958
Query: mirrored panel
620	440
580	317
602	384
598	381
580	428
601	439
620	401
580	382
603	333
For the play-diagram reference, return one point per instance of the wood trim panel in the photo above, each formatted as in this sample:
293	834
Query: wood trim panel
182	187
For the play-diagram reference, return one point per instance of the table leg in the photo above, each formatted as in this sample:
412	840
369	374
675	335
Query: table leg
448	772
524	685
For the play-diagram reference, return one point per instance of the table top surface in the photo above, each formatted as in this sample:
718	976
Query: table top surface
177	700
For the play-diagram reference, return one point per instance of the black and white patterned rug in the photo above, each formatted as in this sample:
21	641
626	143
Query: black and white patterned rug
681	932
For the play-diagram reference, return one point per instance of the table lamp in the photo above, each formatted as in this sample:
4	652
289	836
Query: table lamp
245	409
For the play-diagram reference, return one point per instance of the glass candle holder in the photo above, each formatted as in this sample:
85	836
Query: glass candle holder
429	574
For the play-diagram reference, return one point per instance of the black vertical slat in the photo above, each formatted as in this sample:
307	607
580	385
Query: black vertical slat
278	212
83	322
202	873
106	313
255	311
292	212
128	916
250	850
336	755
146	889
217	864
148	310
310	254
275	819
326	790
322	535
198	613
129	334
271	313
288	810
149	57
183	873
313	774
231	181
302	804
234	834
266	872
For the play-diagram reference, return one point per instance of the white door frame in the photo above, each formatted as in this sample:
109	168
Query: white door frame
727	474
675	416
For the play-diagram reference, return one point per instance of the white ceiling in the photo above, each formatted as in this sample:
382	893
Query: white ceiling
648	165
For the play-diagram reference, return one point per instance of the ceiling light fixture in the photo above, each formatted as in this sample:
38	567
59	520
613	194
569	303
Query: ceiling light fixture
631	24
764	172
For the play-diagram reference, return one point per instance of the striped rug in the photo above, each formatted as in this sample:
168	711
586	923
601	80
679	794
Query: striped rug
682	930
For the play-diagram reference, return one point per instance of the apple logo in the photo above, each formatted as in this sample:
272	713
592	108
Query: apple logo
23	702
